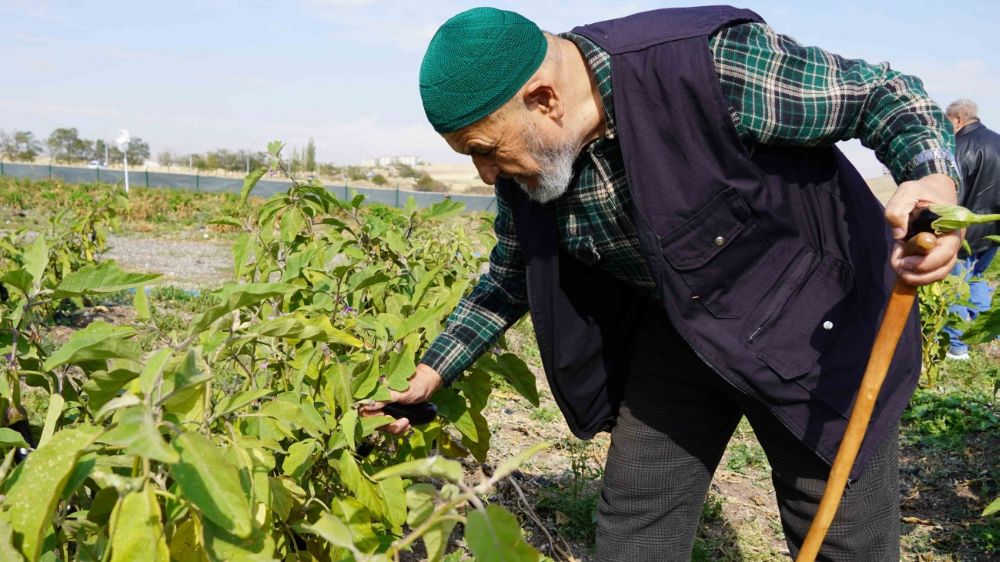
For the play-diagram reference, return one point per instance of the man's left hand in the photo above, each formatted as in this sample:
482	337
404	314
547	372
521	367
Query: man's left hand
908	200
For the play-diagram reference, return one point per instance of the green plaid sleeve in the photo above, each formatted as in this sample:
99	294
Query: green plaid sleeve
499	299
783	93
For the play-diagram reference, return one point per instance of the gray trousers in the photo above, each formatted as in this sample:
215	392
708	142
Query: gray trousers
673	426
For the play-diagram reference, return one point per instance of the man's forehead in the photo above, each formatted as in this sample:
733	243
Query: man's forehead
476	134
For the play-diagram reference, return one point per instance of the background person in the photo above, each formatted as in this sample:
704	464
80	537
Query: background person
977	150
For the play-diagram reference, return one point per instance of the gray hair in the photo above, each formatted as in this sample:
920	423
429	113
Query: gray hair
964	108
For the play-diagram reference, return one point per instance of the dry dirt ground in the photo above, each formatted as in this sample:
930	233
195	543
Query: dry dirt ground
554	494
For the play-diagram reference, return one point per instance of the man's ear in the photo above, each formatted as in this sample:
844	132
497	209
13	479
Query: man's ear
542	96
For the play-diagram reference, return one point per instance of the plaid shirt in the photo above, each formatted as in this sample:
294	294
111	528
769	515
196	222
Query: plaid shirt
779	93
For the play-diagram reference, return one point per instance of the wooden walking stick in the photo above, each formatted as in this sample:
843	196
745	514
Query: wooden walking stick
889	332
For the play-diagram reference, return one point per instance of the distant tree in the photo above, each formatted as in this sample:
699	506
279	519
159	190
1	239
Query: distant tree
165	158
407	171
328	169
66	144
138	152
379	179
428	183
8	148
101	151
355	173
28	148
310	156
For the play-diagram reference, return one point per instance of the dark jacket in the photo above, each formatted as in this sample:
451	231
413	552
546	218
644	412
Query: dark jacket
772	265
977	150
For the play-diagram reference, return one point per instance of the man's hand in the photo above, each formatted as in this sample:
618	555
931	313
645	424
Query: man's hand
910	197
424	382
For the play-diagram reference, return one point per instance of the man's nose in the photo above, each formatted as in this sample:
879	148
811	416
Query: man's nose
487	168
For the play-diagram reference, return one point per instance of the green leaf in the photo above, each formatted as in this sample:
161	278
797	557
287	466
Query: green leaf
136	529
209	481
98	341
137	433
443	210
231	403
141	304
420	319
7	551
221	545
301	327
954	217
186	543
10	438
357	482
241	251
102	386
300	458
36	258
994	507
436	539
56	402
395	500
513	463
419	503
20	279
238	296
515	371
334	531
31	502
152	372
274	148
402	364
433	467
250	182
495	536
102	278
985	328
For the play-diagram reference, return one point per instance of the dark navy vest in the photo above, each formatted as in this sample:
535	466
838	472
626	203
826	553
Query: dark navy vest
772	264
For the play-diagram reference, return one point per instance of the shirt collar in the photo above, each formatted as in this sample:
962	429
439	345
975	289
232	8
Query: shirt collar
599	63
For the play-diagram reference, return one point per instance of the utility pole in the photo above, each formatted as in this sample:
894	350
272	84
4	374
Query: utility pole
122	141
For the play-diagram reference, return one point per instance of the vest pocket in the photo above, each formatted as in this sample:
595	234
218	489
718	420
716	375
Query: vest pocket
793	339
719	254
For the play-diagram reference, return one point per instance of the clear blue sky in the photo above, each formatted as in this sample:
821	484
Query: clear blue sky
191	75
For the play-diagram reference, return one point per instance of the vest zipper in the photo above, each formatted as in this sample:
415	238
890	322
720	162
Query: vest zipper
781	301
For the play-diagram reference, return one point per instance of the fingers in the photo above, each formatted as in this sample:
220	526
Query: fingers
923	270
898	209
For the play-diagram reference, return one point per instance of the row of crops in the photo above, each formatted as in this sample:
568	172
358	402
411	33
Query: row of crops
236	436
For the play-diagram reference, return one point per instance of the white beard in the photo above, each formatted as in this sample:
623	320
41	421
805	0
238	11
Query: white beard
556	164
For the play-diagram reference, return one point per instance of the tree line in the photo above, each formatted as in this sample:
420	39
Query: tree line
66	145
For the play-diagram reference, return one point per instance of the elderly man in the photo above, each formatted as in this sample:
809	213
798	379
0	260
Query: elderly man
978	153
692	250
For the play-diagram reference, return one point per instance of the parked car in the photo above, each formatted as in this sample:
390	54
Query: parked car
94	164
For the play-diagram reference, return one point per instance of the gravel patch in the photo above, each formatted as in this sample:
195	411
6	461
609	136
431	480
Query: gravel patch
190	264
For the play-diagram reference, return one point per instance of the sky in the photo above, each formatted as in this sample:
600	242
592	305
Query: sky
195	75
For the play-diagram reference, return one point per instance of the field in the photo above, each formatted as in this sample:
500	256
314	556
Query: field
950	436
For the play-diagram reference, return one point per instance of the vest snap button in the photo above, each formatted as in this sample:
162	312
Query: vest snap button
827	325
719	240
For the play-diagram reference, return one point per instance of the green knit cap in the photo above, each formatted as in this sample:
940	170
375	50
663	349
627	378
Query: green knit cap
476	62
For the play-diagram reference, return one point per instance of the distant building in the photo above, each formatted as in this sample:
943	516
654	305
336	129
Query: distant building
369	162
409	160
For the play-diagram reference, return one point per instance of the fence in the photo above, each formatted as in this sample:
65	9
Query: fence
266	187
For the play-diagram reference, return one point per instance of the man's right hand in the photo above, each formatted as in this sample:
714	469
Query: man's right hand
423	383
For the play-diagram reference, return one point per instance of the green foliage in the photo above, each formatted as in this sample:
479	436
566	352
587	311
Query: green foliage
935	301
235	434
942	420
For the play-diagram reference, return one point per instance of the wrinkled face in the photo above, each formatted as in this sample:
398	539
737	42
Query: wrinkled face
538	156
